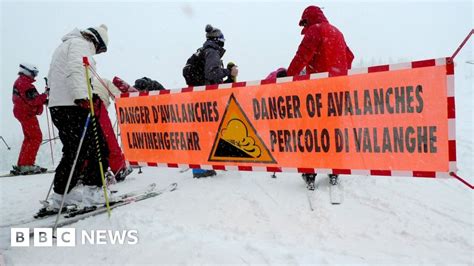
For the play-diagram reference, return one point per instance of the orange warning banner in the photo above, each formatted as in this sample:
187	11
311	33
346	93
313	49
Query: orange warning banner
389	120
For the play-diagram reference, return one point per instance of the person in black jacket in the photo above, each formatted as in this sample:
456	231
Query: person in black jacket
205	67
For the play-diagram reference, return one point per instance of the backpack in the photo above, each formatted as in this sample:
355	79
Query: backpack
193	71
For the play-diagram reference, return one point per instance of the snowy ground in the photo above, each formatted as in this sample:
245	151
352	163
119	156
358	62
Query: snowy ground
250	218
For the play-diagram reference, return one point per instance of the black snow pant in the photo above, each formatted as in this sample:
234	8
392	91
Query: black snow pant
70	122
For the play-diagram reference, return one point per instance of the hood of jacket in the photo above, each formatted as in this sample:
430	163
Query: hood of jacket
213	45
75	33
312	15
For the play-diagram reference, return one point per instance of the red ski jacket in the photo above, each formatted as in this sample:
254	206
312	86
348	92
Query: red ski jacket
27	102
323	48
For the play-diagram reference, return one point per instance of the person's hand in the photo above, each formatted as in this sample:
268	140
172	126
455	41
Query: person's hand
83	103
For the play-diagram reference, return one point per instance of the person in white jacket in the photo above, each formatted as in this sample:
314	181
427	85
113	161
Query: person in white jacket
69	106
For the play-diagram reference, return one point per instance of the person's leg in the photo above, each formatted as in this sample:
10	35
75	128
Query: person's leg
31	142
96	151
70	122
116	158
309	179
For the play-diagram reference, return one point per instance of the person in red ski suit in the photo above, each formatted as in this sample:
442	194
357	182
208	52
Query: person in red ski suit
117	163
323	49
27	104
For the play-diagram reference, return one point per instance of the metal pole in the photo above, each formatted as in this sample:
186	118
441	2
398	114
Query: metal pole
49	130
72	171
8	147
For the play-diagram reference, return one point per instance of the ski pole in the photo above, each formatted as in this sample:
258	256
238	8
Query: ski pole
85	60
8	147
72	171
49	130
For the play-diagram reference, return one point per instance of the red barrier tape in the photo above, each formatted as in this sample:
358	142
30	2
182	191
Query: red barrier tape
462	180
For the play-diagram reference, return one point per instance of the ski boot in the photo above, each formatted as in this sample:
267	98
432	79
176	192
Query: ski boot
122	173
200	173
333	179
27	170
309	180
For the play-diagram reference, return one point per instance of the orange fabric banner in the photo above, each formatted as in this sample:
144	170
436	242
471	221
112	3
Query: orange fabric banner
390	120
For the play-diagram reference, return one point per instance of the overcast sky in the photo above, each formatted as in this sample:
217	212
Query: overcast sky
154	39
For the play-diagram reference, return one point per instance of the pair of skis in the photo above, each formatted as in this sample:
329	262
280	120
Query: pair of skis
335	194
73	215
14	173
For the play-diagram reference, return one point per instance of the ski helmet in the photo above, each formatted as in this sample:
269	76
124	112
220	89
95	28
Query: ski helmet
28	69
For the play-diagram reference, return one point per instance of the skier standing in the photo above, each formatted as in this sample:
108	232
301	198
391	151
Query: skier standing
27	104
323	49
205	67
69	106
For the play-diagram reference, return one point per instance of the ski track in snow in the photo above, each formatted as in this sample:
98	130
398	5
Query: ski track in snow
251	218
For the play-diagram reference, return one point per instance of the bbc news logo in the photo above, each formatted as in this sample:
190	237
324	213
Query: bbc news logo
67	237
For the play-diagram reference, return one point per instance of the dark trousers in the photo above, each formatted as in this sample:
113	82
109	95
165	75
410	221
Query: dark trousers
70	122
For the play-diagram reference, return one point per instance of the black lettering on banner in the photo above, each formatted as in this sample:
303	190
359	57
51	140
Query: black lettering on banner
349	109
310	106
367	103
387	144
301	140
191	112
400	100
418	92
325	143
184	113
398	139
314	105
308	140
410	141
390	108
215	111
163	140
409	93
339	138
356	103
281	110
331	105
433	139
154	111
379	101
277	108
273	140
134	115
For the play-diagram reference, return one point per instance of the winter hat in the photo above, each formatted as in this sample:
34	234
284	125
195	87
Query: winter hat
101	37
214	33
230	65
28	69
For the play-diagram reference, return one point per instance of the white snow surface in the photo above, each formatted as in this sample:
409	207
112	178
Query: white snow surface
251	218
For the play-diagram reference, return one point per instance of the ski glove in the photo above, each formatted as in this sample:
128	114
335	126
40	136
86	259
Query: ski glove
85	104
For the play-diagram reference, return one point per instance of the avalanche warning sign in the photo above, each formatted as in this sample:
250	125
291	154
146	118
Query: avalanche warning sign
237	140
378	120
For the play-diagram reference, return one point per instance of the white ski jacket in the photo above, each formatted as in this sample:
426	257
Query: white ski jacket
66	77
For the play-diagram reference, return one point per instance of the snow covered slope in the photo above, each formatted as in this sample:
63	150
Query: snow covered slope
243	218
